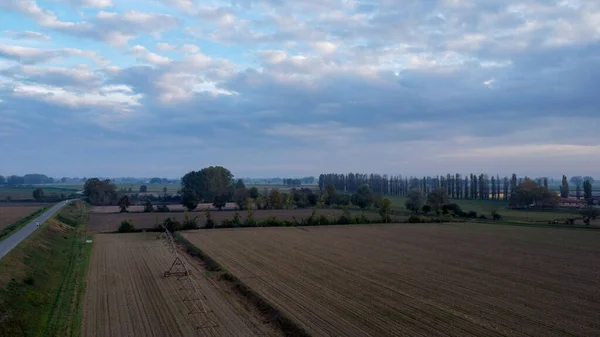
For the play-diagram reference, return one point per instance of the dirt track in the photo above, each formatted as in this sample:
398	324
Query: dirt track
12	214
127	294
420	280
110	222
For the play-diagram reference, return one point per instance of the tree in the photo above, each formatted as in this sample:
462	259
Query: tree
148	207
2	180
587	190
564	188
189	199
426	209
437	198
165	191
529	194
253	192
143	189
329	195
363	197
124	203
100	192
219	202
385	210
239	196
213	183
577	181
155	181
38	194
414	200
275	199
590	213
240	184
289	201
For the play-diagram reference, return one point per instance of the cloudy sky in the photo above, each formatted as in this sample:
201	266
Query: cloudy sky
292	88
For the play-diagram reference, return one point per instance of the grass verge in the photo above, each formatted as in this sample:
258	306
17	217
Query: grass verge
271	313
8	230
42	279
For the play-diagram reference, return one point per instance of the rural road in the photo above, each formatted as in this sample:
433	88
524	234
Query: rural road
12	241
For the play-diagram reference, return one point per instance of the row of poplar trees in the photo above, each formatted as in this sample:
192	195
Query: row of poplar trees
482	187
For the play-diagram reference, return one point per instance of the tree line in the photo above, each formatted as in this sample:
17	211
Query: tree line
28	179
472	186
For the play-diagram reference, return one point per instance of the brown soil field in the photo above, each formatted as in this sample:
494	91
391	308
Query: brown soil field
127	294
420	279
12	214
110	222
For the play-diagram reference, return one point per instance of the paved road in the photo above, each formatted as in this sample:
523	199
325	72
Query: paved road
12	241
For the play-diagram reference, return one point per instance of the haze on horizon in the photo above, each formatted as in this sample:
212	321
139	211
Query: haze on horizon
292	88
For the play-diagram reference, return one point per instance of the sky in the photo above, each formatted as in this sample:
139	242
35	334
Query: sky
294	88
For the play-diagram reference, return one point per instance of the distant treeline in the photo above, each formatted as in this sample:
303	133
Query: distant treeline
472	186
280	181
28	179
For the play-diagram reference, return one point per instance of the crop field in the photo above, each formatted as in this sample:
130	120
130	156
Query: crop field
102	222
12	214
419	279
127	294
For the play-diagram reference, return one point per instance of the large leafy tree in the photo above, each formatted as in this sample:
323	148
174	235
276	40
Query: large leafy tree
211	184
100	192
529	193
414	200
189	199
329	195
437	198
363	197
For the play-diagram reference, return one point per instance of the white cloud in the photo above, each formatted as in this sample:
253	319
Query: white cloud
163	46
90	3
28	55
112	27
27	34
190	48
144	55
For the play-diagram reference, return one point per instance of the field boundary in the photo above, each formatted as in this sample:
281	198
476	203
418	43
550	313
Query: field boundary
270	312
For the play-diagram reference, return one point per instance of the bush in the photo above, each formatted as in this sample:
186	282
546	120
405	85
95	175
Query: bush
496	216
172	225
323	221
189	223
148	207
126	227
417	219
162	208
210	223
451	207
233	223
272	222
483	217
472	214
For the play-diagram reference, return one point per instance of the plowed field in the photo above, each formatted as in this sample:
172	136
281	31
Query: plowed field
12	214
420	280
127	295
